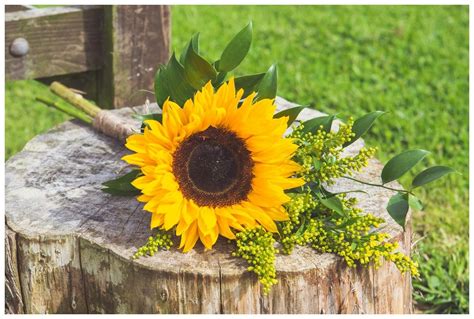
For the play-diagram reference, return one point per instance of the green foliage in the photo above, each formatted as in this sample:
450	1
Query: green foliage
444	283
328	222
430	174
170	81
236	50
398	165
397	207
267	87
320	153
180	80
161	240
352	235
256	246
122	186
363	124
292	113
197	70
248	83
323	122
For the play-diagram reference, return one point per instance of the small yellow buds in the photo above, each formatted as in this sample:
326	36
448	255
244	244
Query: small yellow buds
352	236
159	241
256	246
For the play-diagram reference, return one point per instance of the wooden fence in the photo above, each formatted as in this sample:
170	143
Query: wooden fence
109	52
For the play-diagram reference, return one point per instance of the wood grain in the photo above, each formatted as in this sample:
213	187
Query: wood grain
75	244
61	40
136	42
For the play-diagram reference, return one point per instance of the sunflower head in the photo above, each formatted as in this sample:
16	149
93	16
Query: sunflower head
214	166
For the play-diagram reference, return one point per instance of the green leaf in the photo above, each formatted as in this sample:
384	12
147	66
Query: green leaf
236	50
316	164
314	124
248	83
219	79
400	164
398	208
303	227
363	124
193	43
162	91
122	186
415	202
197	70
267	87
333	203
430	174
292	113
171	79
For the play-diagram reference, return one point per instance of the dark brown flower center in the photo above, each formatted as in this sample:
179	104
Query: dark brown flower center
213	168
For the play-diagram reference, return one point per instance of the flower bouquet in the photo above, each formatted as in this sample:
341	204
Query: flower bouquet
217	161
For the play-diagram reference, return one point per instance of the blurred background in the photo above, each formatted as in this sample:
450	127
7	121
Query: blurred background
412	61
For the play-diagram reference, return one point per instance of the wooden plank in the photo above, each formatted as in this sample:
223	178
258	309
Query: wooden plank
136	42
19	7
61	40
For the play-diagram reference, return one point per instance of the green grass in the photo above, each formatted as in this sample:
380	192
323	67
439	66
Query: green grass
411	61
24	117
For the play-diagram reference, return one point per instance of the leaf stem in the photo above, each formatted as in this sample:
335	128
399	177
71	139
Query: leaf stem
378	185
69	110
74	99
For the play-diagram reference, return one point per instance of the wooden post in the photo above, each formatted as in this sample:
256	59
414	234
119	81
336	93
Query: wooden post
109	52
136	41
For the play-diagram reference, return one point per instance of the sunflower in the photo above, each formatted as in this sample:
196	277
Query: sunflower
213	167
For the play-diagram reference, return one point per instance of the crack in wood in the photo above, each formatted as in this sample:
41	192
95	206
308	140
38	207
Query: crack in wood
86	298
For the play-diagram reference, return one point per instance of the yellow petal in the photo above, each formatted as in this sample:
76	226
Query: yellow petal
190	211
191	237
156	220
173	215
224	228
207	219
182	226
142	181
261	217
277	214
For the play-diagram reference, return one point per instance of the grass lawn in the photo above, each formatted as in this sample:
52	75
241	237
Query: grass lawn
411	61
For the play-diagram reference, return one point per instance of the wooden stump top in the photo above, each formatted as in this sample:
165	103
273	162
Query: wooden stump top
73	245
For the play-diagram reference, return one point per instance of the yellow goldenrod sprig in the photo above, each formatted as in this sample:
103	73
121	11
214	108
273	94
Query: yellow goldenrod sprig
320	153
160	240
256	246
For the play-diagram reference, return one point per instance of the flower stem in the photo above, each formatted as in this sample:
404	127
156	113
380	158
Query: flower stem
377	185
75	99
69	110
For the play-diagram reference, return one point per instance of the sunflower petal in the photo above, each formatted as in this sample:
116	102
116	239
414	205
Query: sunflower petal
191	236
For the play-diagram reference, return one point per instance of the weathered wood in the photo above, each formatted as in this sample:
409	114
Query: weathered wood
75	244
17	7
61	40
136	42
13	300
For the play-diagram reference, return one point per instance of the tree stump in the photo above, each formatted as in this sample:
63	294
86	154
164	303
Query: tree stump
69	246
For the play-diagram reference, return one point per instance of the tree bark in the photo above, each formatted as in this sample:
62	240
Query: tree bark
69	245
